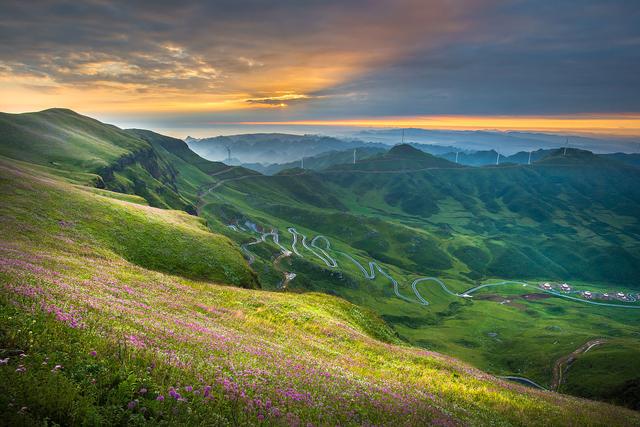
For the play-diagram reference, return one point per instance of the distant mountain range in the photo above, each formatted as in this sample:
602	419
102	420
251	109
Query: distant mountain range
270	148
273	152
508	142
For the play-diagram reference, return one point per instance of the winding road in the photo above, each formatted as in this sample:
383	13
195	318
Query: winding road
322	253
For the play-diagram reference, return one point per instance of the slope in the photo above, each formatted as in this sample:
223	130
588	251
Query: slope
466	227
112	342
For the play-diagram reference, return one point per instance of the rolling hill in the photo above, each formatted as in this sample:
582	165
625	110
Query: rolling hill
131	318
568	218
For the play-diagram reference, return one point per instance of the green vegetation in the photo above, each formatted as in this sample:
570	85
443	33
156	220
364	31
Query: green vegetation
84	269
91	338
571	218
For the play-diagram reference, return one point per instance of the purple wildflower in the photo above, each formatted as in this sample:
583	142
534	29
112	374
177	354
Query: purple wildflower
207	391
131	405
4	361
173	393
93	353
188	389
160	398
56	368
21	368
143	391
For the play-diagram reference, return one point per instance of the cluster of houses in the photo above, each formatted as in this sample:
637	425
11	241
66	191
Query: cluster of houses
565	287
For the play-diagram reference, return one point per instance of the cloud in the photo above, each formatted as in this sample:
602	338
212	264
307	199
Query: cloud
324	59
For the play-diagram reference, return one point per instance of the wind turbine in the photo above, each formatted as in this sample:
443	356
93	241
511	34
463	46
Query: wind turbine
354	156
498	159
228	153
565	147
302	163
456	156
402	136
529	162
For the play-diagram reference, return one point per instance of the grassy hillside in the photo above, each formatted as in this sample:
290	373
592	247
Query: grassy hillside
95	330
86	255
62	138
569	218
160	169
168	241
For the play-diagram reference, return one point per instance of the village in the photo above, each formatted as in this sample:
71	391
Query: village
608	296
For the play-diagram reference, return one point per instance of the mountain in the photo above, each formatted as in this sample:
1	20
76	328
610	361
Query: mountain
317	162
401	157
268	148
160	170
508	142
570	217
104	155
367	271
490	157
631	159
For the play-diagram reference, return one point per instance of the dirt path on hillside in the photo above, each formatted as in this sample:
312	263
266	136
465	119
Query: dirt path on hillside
561	365
287	275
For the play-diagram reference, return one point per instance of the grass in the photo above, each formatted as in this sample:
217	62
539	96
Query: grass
522	337
103	270
169	241
104	337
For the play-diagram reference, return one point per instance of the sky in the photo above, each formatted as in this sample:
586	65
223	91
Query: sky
202	67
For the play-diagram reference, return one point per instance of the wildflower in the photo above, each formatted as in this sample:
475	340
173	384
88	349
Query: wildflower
4	361
188	389
23	355
173	393
143	391
207	391
160	398
260	417
93	353
21	368
131	405
56	368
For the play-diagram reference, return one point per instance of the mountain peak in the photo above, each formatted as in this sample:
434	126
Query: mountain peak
405	150
60	111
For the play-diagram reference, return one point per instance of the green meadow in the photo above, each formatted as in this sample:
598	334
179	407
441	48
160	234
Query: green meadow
127	298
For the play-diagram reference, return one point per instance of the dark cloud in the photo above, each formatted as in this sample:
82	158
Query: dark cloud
363	58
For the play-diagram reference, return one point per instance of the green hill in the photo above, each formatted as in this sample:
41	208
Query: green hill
550	221
104	322
123	302
402	157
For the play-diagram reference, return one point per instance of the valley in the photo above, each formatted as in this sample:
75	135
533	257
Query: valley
325	213
401	246
536	331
